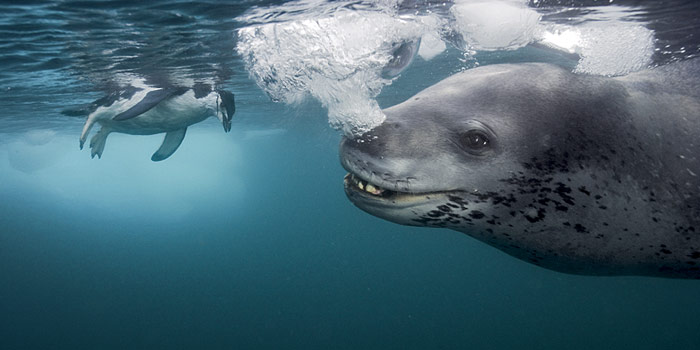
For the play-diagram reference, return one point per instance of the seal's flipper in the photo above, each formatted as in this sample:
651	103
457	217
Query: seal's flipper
172	141
151	99
97	142
228	108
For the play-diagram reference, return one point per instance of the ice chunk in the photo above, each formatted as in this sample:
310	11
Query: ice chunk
615	49
606	40
431	45
495	25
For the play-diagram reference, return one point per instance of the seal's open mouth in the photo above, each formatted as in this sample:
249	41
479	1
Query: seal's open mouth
381	202
357	184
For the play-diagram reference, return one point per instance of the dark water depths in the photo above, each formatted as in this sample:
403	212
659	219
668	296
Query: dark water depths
246	240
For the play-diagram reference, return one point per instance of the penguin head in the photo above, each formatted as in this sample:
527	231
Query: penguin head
227	106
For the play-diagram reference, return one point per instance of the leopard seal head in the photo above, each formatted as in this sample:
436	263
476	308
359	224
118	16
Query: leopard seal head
578	174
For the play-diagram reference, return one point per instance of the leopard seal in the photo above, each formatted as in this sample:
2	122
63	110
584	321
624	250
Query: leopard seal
580	174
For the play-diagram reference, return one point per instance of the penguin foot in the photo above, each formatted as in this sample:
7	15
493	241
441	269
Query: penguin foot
97	143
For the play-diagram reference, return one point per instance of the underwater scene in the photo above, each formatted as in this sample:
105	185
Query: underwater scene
372	174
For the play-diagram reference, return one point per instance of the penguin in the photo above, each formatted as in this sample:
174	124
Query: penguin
140	109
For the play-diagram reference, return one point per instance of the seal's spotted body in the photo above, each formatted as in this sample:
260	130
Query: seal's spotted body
578	174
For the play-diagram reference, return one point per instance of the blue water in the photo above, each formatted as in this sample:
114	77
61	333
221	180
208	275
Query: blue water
245	240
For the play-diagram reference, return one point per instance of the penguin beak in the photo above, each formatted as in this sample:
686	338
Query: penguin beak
228	108
225	121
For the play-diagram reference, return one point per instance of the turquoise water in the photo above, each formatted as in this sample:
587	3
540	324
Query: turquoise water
245	240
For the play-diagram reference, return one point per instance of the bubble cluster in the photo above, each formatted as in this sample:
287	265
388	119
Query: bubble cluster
343	53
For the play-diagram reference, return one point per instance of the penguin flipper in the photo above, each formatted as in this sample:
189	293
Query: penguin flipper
151	99
172	141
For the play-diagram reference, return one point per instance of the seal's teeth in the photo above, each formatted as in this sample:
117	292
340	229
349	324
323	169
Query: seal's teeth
371	189
365	186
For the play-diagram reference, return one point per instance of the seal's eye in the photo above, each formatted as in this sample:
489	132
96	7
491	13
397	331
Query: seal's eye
475	140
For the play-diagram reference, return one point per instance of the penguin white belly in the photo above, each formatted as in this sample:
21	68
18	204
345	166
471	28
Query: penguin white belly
173	114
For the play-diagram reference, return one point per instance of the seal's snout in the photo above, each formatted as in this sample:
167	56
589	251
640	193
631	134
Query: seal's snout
375	142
